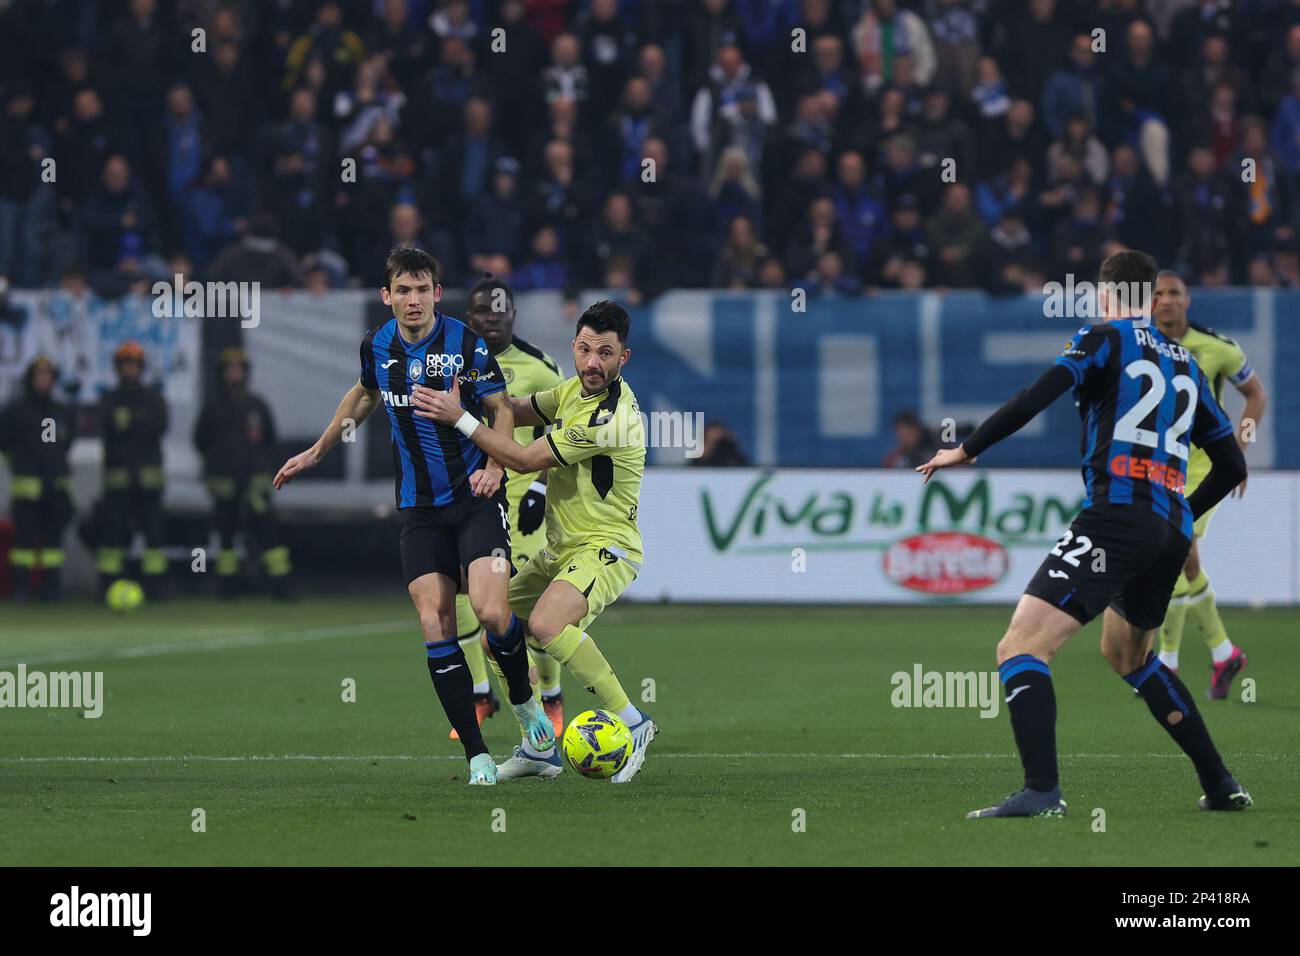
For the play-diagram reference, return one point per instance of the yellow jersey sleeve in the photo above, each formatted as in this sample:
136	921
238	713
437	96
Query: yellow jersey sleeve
546	404
1220	358
1237	368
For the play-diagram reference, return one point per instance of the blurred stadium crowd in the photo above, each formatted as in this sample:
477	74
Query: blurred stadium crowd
773	167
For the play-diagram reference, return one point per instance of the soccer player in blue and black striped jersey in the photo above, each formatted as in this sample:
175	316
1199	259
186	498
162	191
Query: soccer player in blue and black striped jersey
1141	398
450	495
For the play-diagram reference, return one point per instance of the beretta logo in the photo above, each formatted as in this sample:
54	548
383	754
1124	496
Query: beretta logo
946	562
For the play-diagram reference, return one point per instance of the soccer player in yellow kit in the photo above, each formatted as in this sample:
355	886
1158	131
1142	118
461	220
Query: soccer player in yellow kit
527	370
595	457
1222	360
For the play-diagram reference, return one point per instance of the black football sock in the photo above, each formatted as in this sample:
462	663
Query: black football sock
455	688
511	655
1032	702
1173	708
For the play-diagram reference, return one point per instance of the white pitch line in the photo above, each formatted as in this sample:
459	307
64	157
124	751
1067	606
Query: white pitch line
256	639
359	758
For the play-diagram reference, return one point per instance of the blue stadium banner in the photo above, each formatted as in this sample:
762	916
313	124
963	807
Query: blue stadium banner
822	387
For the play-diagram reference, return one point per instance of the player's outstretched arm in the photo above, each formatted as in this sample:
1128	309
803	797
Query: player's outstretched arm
1018	412
357	404
445	407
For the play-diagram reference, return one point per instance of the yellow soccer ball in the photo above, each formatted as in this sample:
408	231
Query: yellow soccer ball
597	744
124	595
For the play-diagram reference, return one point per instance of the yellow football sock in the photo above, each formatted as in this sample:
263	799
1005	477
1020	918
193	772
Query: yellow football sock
1204	612
548	672
579	653
468	632
1171	632
475	659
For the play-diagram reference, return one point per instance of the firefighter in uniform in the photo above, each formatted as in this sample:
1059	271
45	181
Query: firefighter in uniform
236	437
133	418
36	432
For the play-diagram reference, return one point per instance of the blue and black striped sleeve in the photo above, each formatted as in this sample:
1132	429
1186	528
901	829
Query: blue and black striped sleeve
368	379
485	374
1087	351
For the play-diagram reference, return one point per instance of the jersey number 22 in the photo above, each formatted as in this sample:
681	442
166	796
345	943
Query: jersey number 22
1129	428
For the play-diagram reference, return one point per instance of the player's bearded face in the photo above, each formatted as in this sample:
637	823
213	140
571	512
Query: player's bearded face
598	358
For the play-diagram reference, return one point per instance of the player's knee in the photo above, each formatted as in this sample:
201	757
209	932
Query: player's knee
1123	656
543	631
1118	657
436	626
494	615
1192	566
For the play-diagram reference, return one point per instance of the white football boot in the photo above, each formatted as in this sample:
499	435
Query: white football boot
521	764
642	734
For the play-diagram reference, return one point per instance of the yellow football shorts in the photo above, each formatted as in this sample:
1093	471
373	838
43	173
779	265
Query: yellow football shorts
598	573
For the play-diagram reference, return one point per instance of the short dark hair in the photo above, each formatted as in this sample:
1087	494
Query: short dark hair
489	283
409	260
1172	274
606	316
1129	267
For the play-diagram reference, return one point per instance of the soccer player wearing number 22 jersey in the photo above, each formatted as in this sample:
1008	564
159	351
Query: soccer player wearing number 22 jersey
452	508
595	456
1141	398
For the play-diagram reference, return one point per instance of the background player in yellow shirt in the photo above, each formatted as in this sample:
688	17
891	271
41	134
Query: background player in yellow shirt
596	456
527	369
1222	360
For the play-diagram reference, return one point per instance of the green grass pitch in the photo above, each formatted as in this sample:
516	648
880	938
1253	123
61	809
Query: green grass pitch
238	710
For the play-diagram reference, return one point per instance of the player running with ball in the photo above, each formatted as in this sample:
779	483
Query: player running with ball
1141	397
449	495
595	456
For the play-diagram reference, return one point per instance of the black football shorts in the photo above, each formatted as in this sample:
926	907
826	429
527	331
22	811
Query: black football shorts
1121	556
445	539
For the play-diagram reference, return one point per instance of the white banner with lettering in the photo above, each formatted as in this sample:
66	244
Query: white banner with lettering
970	535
